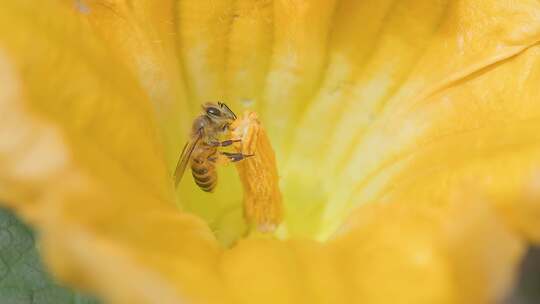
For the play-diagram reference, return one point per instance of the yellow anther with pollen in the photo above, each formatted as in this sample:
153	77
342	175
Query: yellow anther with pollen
263	207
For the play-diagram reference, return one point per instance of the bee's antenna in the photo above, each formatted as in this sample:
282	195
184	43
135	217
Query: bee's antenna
227	107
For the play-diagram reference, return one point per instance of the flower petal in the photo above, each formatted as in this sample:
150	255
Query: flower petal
430	72
268	55
142	35
388	253
437	99
418	121
81	159
479	133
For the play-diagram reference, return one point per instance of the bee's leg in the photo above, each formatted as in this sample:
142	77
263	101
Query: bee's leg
229	142
225	158
224	143
235	157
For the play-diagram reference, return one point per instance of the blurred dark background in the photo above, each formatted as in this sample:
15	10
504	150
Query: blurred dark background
528	286
23	279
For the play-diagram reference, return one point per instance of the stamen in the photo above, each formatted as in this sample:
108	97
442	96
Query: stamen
263	207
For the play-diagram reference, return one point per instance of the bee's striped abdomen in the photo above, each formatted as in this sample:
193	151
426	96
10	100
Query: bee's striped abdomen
204	174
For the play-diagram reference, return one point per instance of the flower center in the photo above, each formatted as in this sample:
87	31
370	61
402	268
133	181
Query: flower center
260	209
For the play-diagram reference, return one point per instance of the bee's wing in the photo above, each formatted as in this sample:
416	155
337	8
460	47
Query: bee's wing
189	147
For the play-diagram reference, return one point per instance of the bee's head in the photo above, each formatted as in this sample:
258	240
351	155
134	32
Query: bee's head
219	113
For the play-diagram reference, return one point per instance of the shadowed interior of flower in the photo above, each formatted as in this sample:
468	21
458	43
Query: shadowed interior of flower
405	137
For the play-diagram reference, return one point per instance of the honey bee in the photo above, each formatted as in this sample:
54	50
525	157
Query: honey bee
201	148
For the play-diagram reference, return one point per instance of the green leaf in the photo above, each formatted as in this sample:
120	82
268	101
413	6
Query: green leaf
23	278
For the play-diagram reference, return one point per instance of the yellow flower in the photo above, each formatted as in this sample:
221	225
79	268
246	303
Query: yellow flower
406	138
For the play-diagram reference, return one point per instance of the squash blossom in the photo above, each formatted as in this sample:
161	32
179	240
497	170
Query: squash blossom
397	146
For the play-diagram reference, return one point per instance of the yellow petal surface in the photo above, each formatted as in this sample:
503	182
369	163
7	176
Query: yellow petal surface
82	160
404	133
141	34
